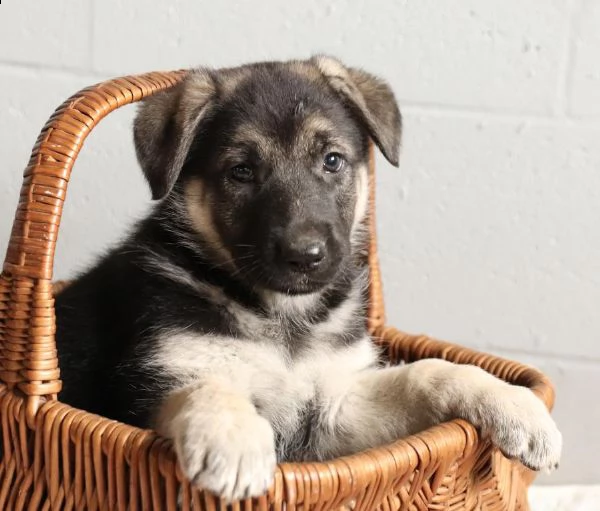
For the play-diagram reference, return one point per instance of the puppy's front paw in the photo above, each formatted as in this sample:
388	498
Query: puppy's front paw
521	426
231	454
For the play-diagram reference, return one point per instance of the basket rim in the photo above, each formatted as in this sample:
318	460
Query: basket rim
459	437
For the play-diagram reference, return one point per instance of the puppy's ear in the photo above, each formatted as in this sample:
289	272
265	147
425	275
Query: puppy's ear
166	125
371	98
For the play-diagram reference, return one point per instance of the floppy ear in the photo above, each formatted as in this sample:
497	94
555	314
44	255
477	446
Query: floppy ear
371	98
165	127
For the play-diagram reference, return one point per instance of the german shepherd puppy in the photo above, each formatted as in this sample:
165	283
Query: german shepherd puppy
232	318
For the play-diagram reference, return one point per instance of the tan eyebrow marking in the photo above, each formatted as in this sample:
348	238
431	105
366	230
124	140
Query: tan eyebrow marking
317	125
248	135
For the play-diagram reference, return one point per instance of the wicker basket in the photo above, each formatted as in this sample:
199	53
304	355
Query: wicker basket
61	458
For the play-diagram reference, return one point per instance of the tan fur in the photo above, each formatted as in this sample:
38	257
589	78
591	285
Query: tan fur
315	123
198	203
248	134
232	78
362	197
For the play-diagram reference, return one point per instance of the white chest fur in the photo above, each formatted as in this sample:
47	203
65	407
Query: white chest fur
263	371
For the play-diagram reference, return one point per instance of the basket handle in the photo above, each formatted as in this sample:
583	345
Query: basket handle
28	356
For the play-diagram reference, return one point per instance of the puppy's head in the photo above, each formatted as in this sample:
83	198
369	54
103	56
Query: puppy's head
270	161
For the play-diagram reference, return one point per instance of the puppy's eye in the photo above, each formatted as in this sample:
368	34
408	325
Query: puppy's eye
242	173
333	162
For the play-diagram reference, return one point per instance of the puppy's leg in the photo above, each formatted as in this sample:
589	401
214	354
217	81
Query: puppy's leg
378	406
222	443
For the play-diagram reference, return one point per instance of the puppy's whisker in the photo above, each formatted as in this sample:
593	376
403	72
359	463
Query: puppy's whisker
248	268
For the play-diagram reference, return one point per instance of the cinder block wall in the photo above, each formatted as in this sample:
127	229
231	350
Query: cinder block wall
489	231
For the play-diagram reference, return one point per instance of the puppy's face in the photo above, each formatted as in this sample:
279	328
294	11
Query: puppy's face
278	174
273	168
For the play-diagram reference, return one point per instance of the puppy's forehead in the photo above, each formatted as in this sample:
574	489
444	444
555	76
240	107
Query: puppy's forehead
282	106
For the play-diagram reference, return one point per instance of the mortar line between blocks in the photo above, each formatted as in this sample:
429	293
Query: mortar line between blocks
60	71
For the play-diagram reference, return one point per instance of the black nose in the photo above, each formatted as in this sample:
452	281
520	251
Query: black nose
304	254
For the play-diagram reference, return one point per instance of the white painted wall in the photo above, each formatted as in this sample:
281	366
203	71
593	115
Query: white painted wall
489	231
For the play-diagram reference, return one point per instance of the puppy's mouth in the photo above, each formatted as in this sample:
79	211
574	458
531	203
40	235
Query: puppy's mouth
285	278
296	283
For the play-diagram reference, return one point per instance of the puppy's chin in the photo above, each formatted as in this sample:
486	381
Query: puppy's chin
300	285
291	282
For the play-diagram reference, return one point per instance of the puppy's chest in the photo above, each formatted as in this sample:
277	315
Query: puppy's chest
292	391
289	386
284	331
299	329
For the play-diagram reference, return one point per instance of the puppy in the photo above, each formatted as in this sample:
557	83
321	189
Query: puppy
232	318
